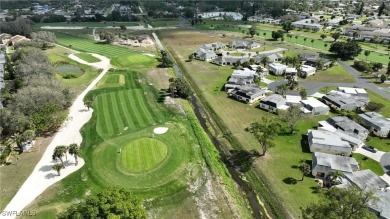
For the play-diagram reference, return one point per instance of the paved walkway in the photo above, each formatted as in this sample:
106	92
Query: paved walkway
43	176
375	156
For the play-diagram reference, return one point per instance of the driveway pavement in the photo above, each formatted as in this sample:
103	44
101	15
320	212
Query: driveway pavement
385	162
375	156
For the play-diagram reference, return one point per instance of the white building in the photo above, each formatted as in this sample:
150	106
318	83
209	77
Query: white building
277	68
308	70
314	106
273	103
328	142
323	164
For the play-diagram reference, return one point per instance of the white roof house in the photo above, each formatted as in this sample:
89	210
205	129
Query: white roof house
307	24
273	103
353	91
277	68
376	123
328	142
308	70
323	164
314	106
293	100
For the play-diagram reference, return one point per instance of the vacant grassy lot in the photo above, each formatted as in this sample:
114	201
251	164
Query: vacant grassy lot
335	74
112	80
279	163
165	22
87	57
142	154
385	111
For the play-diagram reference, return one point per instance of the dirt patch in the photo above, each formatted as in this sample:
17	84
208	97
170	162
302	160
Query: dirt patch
159	77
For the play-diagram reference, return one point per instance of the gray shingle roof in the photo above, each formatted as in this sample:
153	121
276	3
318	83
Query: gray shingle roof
335	162
366	178
274	100
376	119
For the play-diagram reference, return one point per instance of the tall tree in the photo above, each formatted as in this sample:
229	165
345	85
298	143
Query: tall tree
18	138
348	49
312	42
265	132
265	61
58	167
304	168
381	8
336	36
342	203
109	203
88	104
292	116
303	93
252	31
334	178
287	26
75	151
59	152
29	135
323	36
360	9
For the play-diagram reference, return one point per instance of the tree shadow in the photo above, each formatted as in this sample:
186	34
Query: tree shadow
242	159
305	144
316	189
294	166
290	181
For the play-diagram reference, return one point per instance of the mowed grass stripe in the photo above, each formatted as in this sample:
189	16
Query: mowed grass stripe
101	118
119	109
147	116
132	109
106	118
124	108
137	108
131	80
117	123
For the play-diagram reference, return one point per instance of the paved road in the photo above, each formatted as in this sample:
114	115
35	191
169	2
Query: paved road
313	87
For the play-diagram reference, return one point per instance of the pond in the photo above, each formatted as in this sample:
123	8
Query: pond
66	69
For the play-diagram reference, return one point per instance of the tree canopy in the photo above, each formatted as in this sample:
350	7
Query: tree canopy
109	203
348	49
342	203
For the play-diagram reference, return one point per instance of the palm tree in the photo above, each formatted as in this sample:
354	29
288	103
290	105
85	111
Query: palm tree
58	167
265	61
59	152
320	64
294	60
325	45
15	154
283	89
88	104
334	178
264	34
304	168
304	41
296	39
367	53
75	151
312	41
18	140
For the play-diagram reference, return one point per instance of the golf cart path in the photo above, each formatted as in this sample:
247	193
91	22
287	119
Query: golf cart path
43	176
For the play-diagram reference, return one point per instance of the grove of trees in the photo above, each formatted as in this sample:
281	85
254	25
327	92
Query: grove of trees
347	50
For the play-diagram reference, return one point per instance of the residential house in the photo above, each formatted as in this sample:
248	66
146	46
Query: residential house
213	46
204	54
348	126
376	123
273	57
277	68
273	103
307	70
291	73
328	142
314	62
18	38
323	164
314	106
353	91
227	60
308	24
367	34
381	208
366	179
248	94
293	100
244	44
343	101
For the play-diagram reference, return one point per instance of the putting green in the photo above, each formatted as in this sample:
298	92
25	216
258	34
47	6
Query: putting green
142	154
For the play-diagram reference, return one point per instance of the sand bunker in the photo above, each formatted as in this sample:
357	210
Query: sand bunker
160	130
148	54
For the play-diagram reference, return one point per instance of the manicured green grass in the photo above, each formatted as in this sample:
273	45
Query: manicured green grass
120	56
142	154
335	74
87	24
325	90
112	80
382	144
385	111
87	57
368	163
165	22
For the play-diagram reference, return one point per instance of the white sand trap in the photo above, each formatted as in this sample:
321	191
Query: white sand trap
148	54
160	130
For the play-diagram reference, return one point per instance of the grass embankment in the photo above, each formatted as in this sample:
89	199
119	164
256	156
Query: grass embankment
87	57
368	163
336	74
234	117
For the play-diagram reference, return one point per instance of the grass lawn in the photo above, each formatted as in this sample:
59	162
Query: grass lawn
325	90
385	111
111	80
278	164
335	74
165	22
120	56
382	144
169	171
368	163
142	154
87	57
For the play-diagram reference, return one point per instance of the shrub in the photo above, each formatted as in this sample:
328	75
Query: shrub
70	75
373	106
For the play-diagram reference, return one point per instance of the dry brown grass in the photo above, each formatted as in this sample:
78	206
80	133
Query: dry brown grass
159	77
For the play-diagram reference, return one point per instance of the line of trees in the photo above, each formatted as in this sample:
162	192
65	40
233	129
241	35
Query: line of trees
61	151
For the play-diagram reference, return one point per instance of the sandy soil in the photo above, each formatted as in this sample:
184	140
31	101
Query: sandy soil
160	130
43	176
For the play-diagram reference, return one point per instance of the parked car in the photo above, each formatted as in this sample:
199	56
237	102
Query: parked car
369	148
